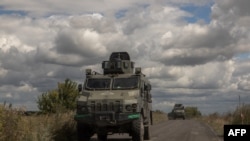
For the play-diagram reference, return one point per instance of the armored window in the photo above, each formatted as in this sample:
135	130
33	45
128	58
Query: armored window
118	65
125	64
125	83
106	65
94	83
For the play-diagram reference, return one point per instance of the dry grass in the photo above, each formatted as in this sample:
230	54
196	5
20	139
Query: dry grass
9	124
15	126
159	116
49	127
216	122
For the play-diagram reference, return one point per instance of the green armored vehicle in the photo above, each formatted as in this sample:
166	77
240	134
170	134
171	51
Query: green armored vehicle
177	112
117	101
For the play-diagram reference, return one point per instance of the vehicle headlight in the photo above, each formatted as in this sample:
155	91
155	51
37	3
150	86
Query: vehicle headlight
130	104
128	107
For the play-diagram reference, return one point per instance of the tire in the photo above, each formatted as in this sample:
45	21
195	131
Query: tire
147	132
102	137
84	133
138	130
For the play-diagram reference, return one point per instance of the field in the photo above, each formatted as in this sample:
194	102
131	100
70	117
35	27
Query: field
16	126
217	121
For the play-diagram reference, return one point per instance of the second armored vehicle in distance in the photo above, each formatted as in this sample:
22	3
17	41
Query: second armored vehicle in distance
177	112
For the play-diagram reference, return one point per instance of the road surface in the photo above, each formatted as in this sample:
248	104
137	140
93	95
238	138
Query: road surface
174	130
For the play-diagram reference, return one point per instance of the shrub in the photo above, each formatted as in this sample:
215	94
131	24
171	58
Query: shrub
192	112
61	99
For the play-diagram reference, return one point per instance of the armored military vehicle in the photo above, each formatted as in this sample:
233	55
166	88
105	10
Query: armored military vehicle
177	112
117	101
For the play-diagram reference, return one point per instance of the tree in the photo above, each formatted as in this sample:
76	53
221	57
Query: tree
62	98
192	112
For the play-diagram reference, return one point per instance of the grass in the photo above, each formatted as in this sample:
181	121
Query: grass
9	124
15	126
217	121
159	116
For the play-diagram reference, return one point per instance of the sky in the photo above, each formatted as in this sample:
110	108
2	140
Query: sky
194	52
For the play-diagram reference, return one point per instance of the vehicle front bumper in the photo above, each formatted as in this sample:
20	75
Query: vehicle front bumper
179	115
106	118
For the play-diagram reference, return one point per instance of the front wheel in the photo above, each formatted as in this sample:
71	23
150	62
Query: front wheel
84	132
102	137
138	130
147	132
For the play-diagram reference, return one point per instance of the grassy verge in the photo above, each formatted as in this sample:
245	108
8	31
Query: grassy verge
159	116
217	121
15	126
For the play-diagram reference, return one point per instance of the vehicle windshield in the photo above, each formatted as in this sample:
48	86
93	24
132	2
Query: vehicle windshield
125	83
178	110
94	83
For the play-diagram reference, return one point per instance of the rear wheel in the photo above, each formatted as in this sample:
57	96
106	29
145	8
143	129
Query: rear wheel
138	130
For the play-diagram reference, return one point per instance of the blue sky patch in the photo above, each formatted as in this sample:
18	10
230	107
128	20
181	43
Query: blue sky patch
120	13
243	56
198	12
11	12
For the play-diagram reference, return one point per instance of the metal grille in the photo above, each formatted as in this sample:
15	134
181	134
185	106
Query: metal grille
98	106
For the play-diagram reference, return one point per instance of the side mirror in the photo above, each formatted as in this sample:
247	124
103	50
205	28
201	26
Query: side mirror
147	87
79	87
150	101
137	70
149	98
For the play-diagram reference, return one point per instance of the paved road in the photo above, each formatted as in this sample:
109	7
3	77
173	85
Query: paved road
175	130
